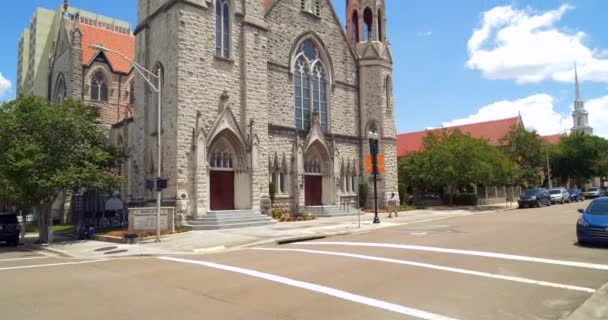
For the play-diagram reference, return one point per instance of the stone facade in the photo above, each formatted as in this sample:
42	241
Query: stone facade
276	94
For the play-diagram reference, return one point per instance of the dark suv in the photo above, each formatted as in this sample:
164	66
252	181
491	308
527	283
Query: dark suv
9	228
535	198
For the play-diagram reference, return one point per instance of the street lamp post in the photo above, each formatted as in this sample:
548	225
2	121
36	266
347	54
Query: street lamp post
373	150
145	73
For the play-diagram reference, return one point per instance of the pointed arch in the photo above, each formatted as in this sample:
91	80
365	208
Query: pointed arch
368	20
60	90
355	27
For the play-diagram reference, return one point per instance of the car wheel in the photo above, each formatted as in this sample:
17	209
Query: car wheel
538	203
581	242
14	243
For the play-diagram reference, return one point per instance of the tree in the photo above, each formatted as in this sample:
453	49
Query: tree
580	157
454	159
528	154
46	149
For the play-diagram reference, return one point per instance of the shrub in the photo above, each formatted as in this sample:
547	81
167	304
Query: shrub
363	189
276	214
465	199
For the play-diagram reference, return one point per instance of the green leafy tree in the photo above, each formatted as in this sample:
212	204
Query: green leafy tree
527	152
579	157
46	149
454	160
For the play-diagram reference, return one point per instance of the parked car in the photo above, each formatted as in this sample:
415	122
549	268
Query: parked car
592	226
592	193
534	198
576	194
9	228
559	195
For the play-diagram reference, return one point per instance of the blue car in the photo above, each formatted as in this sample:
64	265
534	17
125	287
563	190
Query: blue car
592	226
576	194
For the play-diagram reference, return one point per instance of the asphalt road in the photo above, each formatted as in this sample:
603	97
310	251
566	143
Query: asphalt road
522	264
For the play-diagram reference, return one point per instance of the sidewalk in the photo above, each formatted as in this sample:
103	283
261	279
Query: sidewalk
196	242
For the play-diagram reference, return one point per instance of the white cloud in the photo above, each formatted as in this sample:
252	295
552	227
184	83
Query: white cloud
425	33
527	46
5	85
598	115
538	113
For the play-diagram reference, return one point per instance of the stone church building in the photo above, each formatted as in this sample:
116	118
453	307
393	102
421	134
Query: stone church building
260	91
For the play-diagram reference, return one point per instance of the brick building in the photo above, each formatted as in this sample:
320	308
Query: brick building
261	91
103	80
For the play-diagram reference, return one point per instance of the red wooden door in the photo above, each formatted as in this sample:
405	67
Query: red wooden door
313	190
222	190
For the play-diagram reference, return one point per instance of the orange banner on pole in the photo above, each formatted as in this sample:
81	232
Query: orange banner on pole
368	163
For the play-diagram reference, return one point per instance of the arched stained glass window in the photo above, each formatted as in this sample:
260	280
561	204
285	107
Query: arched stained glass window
99	87
310	87
222	28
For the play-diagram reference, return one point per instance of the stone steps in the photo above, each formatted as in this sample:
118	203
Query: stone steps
215	220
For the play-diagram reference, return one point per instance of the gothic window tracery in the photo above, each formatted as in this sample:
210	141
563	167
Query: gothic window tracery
310	87
99	87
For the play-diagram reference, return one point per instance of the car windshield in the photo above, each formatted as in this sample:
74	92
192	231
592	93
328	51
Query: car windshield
555	191
532	192
572	190
593	189
598	208
8	218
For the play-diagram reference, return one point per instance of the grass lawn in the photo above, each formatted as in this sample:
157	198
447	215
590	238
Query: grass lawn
60	228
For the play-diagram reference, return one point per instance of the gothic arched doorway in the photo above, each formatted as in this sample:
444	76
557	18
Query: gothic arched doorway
222	163
316	169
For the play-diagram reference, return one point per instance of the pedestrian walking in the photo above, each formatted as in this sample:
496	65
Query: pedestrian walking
394	202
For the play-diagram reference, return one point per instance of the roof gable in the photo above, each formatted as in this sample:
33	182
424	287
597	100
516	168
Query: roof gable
113	40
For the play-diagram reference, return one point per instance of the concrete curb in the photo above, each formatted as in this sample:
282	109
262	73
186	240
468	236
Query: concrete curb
595	308
272	241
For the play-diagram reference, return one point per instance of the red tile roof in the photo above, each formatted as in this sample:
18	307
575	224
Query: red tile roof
493	131
114	40
552	139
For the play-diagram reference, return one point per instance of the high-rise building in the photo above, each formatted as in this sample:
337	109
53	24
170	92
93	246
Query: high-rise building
36	45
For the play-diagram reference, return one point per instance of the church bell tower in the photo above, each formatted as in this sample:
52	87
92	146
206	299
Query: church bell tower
366	32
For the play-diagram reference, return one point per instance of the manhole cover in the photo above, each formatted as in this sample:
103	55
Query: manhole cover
105	249
115	251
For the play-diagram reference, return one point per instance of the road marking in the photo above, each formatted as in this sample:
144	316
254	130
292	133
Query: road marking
51	265
438	267
18	259
464	252
320	289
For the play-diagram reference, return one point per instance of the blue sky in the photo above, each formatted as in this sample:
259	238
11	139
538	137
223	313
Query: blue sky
454	61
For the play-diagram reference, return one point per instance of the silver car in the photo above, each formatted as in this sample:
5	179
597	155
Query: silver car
592	193
559	195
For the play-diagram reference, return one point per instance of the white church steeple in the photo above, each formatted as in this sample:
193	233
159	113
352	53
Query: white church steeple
580	116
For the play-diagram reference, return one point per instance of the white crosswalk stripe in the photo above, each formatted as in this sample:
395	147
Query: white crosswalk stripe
462	252
437	267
